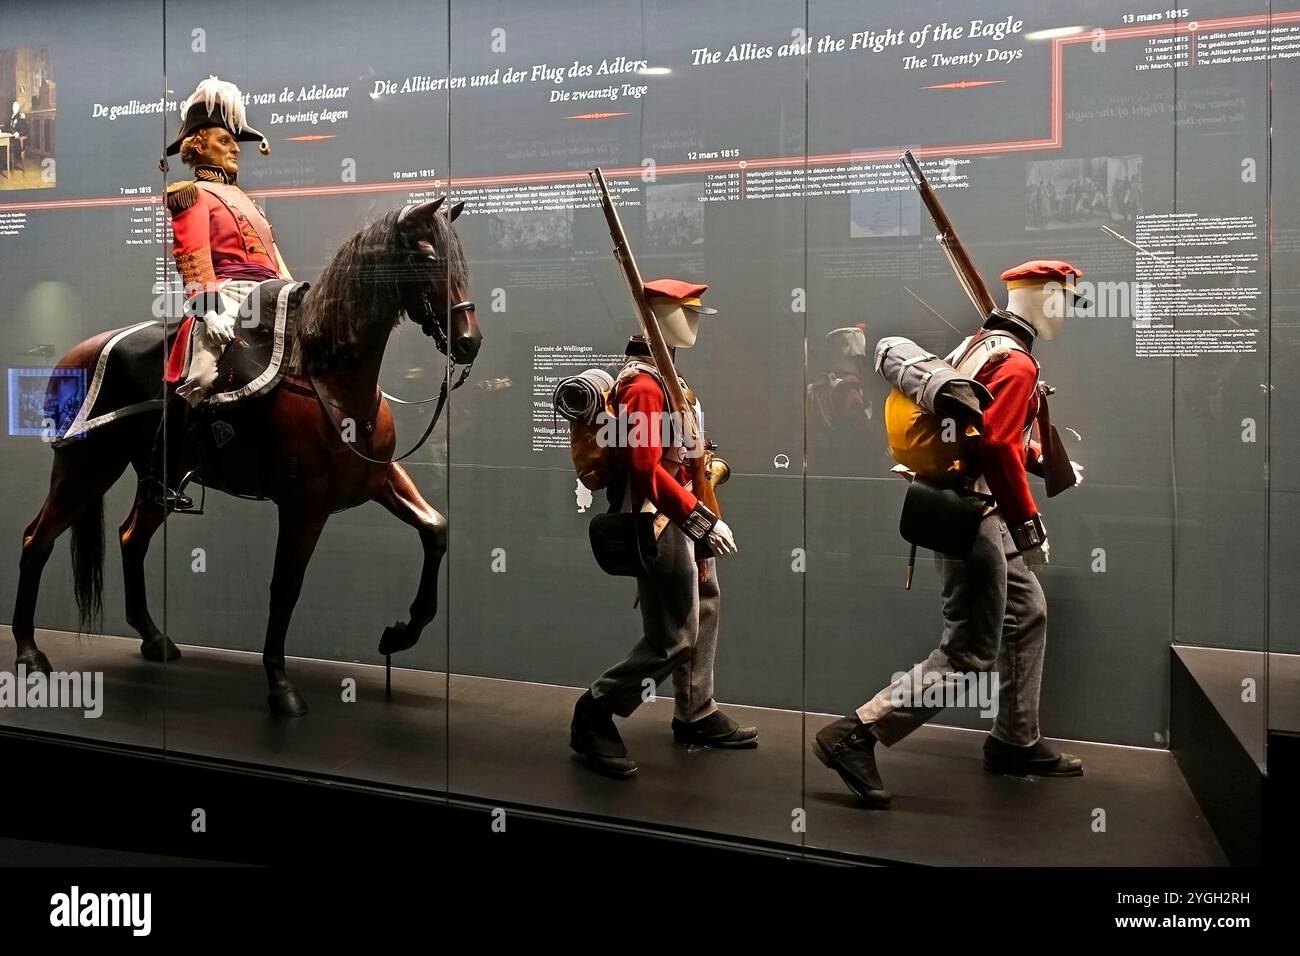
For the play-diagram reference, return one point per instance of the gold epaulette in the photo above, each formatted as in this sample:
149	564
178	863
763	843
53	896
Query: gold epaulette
181	195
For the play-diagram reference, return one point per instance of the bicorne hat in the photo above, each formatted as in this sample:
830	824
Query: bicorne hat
215	102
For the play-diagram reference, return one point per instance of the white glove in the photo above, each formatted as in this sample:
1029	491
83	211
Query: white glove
1078	472
721	543
220	326
1039	556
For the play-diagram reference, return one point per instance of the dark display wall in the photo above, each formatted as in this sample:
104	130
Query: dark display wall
761	163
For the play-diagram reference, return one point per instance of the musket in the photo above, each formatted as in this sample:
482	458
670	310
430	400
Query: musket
958	258
695	452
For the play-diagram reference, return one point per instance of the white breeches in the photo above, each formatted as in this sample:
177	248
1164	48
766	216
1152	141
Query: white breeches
205	349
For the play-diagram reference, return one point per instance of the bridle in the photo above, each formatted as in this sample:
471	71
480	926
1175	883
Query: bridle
417	262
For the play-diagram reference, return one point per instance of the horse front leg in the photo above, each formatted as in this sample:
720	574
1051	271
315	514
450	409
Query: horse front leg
134	536
299	532
401	496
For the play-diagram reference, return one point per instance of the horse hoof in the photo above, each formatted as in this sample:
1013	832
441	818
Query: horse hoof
34	661
397	637
287	702
160	649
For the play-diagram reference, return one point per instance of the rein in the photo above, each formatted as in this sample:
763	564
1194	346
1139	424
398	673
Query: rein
429	323
437	331
437	413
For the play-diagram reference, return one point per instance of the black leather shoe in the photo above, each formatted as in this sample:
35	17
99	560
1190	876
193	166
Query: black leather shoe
848	747
593	736
1039	760
715	730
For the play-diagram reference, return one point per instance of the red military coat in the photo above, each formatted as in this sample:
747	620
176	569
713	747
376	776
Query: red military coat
1005	455
649	478
219	234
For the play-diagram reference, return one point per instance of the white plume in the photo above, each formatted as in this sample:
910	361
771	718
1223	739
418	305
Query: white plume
214	92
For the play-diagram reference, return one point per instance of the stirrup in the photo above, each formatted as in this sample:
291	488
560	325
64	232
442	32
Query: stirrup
173	501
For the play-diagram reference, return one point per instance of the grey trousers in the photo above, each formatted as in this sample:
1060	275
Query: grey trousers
994	614
679	616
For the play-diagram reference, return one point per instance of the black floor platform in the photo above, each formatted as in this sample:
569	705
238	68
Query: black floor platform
507	742
1234	726
31	853
1284	693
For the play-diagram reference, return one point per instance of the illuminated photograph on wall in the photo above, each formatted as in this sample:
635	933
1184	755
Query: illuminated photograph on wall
27	100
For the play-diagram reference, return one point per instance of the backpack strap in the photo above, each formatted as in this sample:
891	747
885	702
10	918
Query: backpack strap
995	344
634	367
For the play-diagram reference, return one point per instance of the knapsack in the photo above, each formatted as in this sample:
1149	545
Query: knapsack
935	409
932	447
595	461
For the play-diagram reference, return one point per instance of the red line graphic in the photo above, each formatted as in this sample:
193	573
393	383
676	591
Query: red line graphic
962	84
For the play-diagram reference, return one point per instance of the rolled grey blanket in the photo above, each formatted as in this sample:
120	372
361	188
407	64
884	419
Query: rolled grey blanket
580	398
930	381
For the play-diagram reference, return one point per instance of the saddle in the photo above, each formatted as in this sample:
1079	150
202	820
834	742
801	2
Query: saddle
228	430
264	345
125	381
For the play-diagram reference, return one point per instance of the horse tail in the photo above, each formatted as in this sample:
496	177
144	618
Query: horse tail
88	566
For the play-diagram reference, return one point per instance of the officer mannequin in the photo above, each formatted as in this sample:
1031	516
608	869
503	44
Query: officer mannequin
223	248
678	595
995	614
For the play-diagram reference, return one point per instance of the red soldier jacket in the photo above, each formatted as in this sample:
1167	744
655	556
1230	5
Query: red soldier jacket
1004	453
648	477
219	234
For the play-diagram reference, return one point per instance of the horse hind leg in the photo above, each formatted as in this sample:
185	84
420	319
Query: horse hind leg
38	543
402	497
63	505
134	536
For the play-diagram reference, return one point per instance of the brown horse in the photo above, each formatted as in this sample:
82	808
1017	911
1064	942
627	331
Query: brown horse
405	263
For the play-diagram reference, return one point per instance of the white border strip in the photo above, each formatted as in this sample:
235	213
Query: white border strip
79	424
277	351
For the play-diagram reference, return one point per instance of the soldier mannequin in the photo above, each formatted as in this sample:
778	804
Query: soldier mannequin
679	594
848	349
995	614
223	248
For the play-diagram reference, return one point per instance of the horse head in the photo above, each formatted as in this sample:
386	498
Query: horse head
434	283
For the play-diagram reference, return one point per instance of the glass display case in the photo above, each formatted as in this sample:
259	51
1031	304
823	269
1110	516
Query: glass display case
386	242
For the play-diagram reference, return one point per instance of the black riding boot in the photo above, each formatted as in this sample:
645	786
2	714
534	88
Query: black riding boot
167	460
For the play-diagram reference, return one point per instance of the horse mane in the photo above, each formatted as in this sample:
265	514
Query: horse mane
361	289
